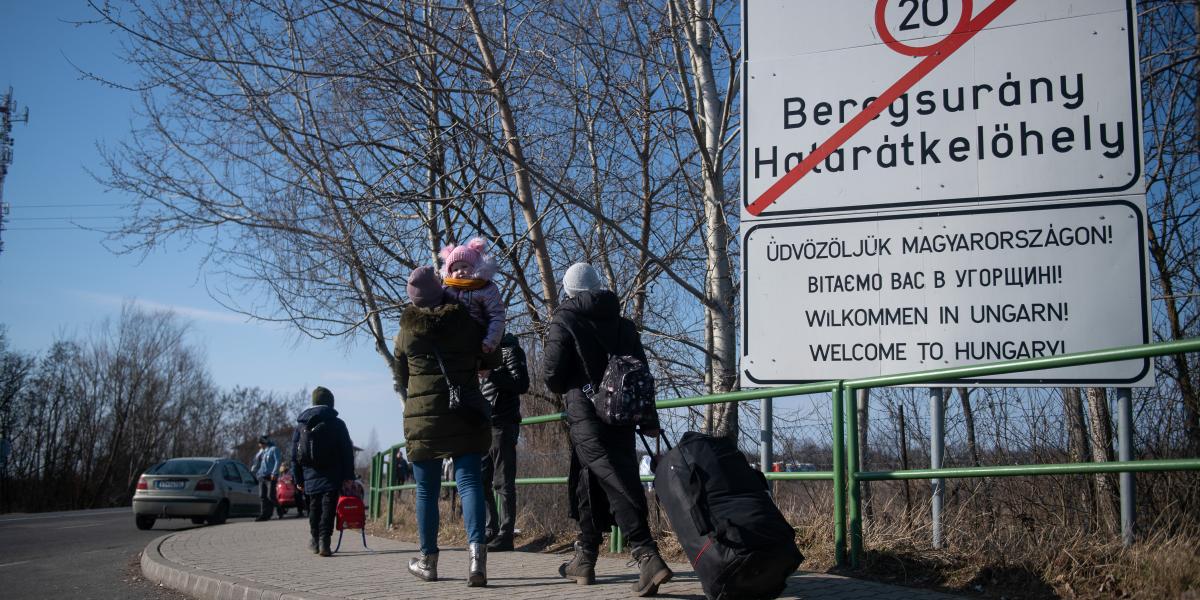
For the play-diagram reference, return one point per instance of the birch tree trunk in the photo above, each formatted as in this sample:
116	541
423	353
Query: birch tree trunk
516	155
708	124
1077	446
1107	507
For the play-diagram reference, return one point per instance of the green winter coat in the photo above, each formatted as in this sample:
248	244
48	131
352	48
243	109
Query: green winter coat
431	430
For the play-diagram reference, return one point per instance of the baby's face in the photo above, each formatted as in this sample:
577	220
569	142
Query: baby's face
460	269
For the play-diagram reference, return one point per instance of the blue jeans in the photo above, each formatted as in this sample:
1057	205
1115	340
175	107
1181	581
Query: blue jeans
428	475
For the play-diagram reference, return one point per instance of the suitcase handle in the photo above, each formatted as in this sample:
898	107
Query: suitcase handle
662	435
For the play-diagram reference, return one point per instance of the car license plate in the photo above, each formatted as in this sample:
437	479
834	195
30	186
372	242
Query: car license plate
169	485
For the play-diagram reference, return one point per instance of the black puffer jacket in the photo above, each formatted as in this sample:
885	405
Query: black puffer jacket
506	383
585	329
339	467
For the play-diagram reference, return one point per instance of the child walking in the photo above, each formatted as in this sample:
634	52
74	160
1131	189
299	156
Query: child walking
467	275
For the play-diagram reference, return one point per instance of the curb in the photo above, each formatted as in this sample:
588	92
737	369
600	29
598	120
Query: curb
206	585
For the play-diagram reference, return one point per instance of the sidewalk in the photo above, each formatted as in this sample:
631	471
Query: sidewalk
270	560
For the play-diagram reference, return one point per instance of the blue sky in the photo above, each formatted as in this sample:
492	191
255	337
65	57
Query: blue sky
58	280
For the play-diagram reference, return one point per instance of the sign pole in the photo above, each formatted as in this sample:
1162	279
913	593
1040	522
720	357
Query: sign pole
765	434
1125	453
937	446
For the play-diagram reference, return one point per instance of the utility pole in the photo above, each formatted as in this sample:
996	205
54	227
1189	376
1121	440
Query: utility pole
8	116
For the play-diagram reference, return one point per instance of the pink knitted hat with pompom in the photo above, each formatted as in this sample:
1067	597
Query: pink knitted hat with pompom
470	253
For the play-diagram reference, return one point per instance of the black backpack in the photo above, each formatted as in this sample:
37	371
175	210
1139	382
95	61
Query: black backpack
626	391
317	447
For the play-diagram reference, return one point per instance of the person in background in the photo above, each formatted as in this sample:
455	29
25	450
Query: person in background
644	470
284	479
403	470
322	461
603	483
440	345
265	467
503	388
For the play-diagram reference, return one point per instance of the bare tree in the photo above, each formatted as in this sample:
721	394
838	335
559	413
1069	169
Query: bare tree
1100	426
709	109
1169	68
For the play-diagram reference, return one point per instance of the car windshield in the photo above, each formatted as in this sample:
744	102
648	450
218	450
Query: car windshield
181	466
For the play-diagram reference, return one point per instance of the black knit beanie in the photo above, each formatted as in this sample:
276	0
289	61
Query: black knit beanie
322	397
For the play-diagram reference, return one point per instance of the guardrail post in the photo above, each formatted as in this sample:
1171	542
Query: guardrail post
378	484
391	481
766	435
616	541
371	477
1125	453
937	445
852	467
839	478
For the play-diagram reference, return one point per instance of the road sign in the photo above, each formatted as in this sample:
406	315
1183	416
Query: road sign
875	294
934	183
870	104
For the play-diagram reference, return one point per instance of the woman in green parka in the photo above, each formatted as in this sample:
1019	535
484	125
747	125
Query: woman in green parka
436	325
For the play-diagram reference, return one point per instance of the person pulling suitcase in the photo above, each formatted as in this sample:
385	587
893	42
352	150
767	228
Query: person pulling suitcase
591	350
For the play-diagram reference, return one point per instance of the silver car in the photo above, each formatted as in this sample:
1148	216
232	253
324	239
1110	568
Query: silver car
204	489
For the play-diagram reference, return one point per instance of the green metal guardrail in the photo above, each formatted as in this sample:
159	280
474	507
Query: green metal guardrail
846	474
1030	364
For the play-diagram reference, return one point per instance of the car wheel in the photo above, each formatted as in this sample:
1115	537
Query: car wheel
144	522
220	515
198	520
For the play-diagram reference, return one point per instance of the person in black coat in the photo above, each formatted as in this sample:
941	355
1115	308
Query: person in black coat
503	388
322	482
603	481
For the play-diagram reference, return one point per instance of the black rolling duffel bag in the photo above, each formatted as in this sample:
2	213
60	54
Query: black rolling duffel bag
735	537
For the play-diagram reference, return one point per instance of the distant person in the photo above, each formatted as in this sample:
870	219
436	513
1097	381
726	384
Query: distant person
265	467
440	345
399	471
284	483
503	388
449	493
401	466
644	469
603	482
323	461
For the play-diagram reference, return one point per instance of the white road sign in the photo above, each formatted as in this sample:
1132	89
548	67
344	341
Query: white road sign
869	104
875	294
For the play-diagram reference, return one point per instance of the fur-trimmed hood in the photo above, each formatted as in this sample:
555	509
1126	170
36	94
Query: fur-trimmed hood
423	321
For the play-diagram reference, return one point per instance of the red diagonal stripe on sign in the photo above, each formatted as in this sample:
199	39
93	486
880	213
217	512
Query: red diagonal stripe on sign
853	126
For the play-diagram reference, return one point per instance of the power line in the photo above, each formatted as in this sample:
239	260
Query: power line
50	229
23	205
92	218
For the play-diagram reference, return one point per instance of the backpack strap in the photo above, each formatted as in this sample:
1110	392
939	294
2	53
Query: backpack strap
589	389
592	380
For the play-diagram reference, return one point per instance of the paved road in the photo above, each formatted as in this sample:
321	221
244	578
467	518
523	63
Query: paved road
270	560
78	554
